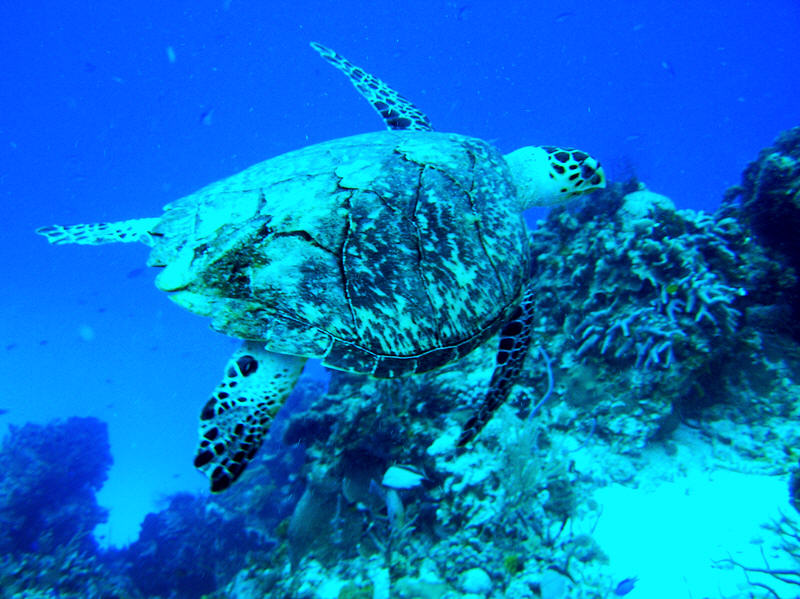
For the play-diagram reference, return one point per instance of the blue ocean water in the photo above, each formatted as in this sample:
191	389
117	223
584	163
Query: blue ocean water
111	110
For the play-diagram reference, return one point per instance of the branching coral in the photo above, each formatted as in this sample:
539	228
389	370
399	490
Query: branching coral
788	574
652	299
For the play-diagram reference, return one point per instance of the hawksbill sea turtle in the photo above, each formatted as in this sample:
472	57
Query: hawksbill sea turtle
386	253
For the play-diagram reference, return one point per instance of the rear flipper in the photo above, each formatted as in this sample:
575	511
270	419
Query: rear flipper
515	339
125	231
397	112
236	419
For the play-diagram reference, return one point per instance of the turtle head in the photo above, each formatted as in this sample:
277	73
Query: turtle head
546	175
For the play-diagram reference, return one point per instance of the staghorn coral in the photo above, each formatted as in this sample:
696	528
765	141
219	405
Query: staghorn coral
642	284
652	300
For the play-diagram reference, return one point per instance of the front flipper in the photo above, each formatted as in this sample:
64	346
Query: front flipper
397	111
515	339
236	419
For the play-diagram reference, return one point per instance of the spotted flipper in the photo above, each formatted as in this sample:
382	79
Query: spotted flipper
397	112
236	419
126	231
515	339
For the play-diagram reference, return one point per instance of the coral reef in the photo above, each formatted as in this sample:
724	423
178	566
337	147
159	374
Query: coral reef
641	301
189	549
512	493
768	201
654	316
648	317
769	195
48	485
48	510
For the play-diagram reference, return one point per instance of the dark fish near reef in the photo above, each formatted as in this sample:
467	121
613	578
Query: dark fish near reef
625	586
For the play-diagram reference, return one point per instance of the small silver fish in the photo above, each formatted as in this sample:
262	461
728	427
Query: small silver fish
402	477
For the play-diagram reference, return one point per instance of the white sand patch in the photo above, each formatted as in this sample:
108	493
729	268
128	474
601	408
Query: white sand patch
687	513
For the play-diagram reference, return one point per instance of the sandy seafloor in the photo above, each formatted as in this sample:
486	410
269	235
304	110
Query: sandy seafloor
693	512
688	513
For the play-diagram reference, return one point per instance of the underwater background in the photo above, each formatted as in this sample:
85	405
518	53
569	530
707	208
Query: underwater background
110	111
